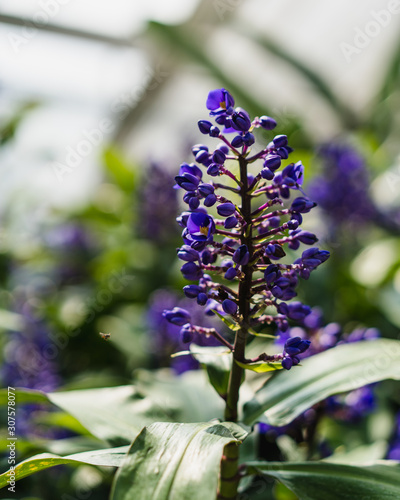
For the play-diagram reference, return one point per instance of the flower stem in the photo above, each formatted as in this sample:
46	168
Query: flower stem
237	373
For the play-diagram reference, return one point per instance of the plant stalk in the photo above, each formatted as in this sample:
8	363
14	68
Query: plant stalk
244	295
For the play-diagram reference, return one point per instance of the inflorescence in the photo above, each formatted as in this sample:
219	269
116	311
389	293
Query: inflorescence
241	243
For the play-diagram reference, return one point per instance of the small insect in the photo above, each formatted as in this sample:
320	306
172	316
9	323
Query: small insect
105	336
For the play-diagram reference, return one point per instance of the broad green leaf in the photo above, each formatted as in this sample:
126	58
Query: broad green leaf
322	480
23	396
175	461
116	414
111	457
189	396
344	368
261	366
218	363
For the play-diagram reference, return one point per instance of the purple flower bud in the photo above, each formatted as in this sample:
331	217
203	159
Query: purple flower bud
271	273
273	162
202	299
241	120
218	157
306	237
223	147
267	122
283	282
241	255
213	169
249	139
226	209
298	311
187	253
230	222
202	156
237	141
294	245
177	316
296	345
214	131
231	273
266	173
229	307
206	189
187	181
190	194
197	147
194	203
191	291
191	271
192	169
204	126
277	291
274	251
287	363
298	217
293	174
210	200
283	153
283	308
302	205
186	333
207	257
280	141
293	224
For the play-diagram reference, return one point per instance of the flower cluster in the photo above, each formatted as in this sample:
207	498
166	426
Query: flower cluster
27	362
164	336
243	239
343	186
352	406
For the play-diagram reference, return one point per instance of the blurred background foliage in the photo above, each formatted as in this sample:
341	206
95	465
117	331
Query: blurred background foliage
87	216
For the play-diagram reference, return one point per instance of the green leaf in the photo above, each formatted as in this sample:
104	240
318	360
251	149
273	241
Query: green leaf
111	457
190	395
259	334
218	363
261	366
316	480
116	414
175	461
24	396
229	323
344	368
